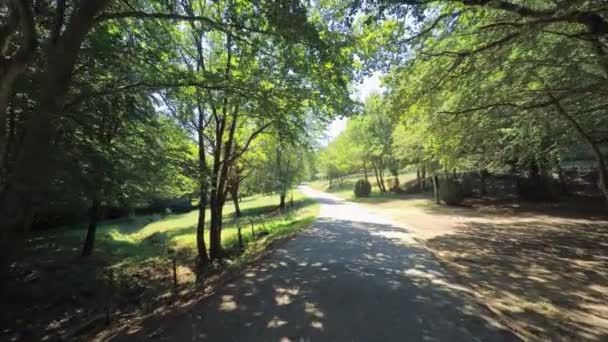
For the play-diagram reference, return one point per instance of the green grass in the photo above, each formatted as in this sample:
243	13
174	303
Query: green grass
344	187
144	236
138	246
134	251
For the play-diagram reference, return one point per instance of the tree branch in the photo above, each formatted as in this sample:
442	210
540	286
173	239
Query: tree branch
430	27
59	18
594	22
249	140
225	27
482	48
26	21
144	85
500	104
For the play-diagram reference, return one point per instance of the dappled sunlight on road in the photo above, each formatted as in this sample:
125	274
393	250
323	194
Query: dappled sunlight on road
543	267
349	276
550	279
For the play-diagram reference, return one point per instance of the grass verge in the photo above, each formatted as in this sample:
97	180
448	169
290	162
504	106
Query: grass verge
53	293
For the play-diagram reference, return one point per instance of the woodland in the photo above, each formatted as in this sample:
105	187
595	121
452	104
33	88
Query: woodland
137	134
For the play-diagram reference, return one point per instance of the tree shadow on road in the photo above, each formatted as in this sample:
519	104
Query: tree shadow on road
339	280
549	277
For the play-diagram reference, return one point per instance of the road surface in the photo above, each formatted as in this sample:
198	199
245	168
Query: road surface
352	276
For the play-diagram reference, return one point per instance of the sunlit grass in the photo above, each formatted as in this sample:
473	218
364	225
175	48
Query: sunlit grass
132	244
142	236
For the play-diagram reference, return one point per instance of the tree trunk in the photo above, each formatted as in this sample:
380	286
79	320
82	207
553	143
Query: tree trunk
377	177
381	173
31	171
30	175
215	247
89	241
562	179
282	201
11	67
219	181
234	194
418	179
601	166
436	188
6	88
10	148
203	259
396	182
423	175
595	149
365	170
201	246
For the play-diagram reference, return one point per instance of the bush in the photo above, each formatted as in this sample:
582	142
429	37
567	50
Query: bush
450	192
362	188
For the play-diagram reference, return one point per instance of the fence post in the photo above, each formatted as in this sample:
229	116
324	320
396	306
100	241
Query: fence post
110	290
171	253
238	227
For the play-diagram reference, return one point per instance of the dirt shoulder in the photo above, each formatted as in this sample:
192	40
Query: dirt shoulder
542	267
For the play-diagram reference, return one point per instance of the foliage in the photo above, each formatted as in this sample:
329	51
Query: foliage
456	109
367	143
275	166
363	188
123	93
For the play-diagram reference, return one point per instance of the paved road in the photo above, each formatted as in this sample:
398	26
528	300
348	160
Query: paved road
352	276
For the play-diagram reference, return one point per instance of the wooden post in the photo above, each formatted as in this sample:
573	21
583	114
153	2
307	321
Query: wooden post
240	236
171	253
110	289
174	274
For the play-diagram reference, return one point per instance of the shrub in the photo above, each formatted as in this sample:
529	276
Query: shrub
450	192
362	188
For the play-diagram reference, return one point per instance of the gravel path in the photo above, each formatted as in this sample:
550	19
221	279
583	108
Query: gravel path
353	276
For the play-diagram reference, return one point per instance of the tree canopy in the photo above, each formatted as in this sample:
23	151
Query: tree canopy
117	104
488	84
